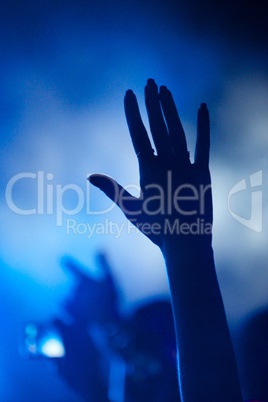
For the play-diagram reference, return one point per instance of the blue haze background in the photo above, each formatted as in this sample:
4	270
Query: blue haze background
65	67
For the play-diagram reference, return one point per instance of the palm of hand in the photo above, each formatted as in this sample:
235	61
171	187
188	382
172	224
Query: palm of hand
175	194
174	199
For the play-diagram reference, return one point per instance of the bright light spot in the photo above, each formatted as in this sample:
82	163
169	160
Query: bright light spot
53	347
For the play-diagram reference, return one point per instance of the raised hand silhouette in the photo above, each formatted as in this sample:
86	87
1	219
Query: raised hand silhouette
175	193
174	210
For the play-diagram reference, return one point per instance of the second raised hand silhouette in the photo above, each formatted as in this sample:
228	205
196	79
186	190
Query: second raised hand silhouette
175	193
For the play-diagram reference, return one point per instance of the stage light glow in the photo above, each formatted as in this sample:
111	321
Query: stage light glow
52	347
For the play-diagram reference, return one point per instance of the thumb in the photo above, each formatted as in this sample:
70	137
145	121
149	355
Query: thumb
112	189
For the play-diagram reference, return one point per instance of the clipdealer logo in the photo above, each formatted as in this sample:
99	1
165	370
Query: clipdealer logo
255	221
51	198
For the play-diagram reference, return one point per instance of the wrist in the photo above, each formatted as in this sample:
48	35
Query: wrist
189	244
190	256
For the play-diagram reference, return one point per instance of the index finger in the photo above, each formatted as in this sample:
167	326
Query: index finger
138	133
